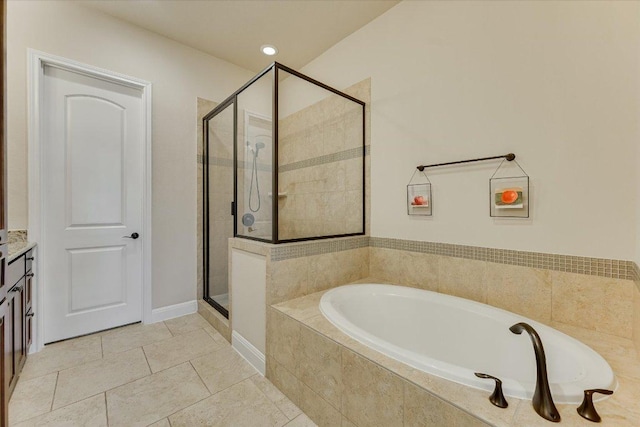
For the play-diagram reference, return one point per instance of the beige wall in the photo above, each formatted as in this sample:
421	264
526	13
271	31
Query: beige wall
179	75
249	275
555	82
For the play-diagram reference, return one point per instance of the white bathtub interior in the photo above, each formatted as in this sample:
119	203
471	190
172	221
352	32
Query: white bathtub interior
453	337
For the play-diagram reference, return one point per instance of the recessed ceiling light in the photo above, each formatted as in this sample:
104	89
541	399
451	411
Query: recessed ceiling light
268	49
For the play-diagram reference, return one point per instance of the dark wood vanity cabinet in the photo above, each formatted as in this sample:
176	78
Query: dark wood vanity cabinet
5	360
18	331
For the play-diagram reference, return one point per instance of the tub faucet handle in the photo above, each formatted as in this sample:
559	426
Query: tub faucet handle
497	397
586	409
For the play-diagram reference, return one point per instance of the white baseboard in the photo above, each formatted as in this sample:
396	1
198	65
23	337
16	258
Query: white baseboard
249	352
171	311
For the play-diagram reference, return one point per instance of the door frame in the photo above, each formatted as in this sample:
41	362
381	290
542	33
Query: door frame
36	61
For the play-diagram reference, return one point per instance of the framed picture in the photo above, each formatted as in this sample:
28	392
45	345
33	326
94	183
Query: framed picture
509	197
419	199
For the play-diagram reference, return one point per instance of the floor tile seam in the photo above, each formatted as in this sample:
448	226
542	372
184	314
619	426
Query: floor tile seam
104	391
106	408
44	413
166	416
147	360
195	356
63	407
200	377
92	361
175	336
65	369
220	345
150	343
229	386
290	421
205	331
271	401
164	322
156	342
55	389
186	407
141	378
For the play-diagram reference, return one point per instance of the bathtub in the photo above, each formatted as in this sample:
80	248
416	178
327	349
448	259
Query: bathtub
452	338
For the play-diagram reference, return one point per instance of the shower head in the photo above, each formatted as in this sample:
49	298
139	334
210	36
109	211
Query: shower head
257	147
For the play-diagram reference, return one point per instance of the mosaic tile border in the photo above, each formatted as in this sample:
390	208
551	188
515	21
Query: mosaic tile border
352	153
318	247
636	272
613	268
228	163
216	161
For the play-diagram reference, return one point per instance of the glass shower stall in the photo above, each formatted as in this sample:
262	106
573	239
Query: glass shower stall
283	162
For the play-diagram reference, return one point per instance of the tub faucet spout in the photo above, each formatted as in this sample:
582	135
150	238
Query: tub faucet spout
542	400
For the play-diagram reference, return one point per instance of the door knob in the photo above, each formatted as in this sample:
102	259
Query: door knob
133	236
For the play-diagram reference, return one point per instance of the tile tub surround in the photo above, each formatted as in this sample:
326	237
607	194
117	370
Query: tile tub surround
598	294
335	379
108	379
297	269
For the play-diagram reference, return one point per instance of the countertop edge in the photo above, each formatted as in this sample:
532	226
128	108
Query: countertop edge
20	251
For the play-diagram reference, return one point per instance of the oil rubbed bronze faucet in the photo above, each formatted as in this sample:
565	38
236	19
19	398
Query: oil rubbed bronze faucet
542	400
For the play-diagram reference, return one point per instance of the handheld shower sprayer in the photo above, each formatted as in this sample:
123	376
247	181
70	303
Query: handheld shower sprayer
254	174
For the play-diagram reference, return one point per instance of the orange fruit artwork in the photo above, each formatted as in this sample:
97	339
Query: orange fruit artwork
509	196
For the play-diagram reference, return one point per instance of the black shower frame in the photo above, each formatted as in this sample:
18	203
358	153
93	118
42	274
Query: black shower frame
232	100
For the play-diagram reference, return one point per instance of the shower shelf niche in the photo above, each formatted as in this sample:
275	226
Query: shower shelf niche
280	195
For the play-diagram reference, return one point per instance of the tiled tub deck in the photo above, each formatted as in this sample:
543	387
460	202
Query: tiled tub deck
337	381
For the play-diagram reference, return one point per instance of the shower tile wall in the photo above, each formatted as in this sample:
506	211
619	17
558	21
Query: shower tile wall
255	125
320	167
203	107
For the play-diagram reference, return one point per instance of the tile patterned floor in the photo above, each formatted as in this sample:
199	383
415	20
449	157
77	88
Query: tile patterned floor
180	372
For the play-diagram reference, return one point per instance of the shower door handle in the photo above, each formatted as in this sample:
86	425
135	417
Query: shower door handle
233	208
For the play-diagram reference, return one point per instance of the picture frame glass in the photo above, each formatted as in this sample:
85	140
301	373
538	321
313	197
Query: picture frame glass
509	197
419	199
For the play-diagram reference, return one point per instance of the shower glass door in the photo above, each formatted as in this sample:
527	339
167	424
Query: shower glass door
218	175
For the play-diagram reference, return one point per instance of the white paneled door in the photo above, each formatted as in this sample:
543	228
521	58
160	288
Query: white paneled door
92	184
